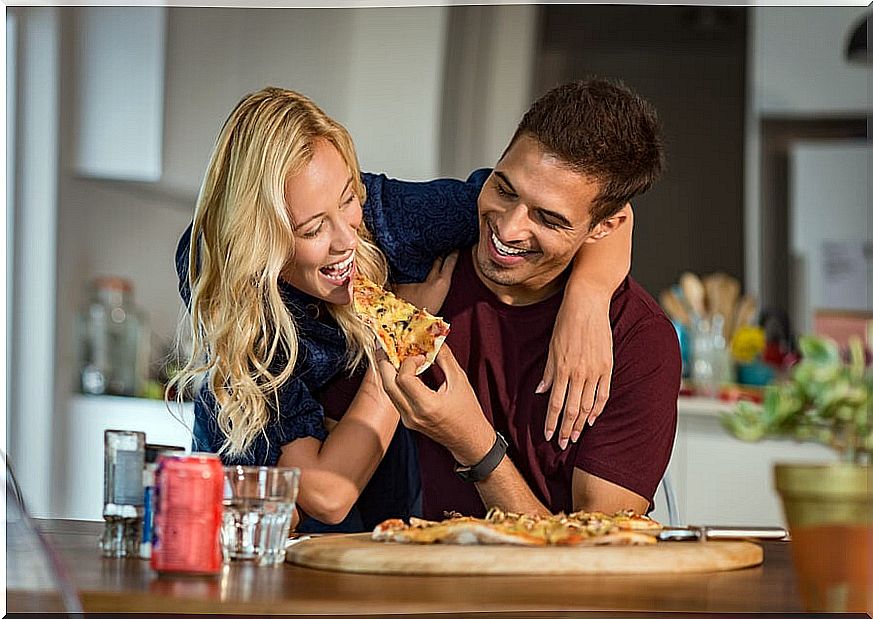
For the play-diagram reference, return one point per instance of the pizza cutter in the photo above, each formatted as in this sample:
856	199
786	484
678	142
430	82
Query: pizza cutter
709	532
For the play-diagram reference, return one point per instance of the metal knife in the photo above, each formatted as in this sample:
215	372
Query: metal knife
710	532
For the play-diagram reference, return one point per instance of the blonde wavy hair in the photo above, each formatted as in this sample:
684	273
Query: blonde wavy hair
243	340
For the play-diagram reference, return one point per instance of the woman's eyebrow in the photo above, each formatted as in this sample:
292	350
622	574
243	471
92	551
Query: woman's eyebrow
307	220
317	215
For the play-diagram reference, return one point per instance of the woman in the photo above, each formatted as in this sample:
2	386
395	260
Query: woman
266	271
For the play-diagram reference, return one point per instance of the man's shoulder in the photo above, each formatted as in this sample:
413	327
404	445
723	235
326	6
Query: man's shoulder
634	313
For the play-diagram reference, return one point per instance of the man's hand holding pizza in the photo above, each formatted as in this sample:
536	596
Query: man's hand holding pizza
452	416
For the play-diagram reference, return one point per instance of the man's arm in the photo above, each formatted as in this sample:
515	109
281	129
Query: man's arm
595	494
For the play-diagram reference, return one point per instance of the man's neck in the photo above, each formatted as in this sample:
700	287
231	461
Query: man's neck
526	294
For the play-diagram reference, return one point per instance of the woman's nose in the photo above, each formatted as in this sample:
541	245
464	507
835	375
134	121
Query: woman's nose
347	236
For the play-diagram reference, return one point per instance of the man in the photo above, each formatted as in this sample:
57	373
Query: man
578	156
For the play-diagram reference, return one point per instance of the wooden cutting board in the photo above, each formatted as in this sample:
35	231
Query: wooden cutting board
358	553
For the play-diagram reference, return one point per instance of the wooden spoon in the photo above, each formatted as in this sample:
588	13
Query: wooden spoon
746	310
674	308
695	295
712	288
730	292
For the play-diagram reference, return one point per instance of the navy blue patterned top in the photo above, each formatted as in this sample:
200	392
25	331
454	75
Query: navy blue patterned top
413	223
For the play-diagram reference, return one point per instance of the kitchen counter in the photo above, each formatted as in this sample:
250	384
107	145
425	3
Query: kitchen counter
718	479
112	585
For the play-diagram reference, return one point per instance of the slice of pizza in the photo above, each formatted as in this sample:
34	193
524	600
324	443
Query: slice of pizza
402	329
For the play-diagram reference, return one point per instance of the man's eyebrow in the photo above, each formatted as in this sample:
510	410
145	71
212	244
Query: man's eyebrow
317	215
505	180
563	221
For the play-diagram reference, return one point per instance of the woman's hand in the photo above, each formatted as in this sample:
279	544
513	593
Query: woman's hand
430	294
579	365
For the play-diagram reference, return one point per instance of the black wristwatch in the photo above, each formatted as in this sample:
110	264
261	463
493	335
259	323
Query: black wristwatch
486	465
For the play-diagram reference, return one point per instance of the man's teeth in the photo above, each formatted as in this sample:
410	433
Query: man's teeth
505	249
340	270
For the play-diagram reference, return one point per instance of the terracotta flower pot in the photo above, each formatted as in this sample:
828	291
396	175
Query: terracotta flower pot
829	510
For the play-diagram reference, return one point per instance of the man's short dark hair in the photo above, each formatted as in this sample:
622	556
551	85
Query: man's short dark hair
603	130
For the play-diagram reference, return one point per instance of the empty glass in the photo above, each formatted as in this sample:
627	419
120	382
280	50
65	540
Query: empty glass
258	507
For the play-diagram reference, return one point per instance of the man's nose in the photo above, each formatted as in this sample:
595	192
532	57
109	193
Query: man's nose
513	224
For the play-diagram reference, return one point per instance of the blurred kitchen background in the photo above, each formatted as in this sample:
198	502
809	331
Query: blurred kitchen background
111	113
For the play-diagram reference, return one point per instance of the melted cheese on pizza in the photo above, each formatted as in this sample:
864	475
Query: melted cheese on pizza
403	329
498	527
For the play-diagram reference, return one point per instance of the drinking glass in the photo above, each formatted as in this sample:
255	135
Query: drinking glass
258	507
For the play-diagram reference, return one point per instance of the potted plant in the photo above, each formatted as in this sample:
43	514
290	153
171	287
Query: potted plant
828	507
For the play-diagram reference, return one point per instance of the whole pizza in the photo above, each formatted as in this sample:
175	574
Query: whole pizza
499	527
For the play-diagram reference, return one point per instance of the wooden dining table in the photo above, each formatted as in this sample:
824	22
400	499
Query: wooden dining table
107	585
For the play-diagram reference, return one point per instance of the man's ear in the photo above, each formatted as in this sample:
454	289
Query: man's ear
609	225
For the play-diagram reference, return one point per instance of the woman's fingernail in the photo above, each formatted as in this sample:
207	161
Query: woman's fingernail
541	388
549	434
562	442
591	420
575	436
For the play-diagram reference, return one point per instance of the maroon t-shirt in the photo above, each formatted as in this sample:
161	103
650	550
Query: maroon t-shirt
503	349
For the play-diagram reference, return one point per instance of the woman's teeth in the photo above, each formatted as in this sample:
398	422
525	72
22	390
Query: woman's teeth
340	270
505	249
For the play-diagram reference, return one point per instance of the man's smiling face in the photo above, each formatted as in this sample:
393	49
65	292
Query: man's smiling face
533	218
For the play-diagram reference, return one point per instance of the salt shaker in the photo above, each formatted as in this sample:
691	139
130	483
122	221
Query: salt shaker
124	457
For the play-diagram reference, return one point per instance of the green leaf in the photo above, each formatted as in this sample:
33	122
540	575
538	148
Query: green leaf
820	351
825	400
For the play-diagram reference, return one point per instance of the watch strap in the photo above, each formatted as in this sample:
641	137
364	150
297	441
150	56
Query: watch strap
487	464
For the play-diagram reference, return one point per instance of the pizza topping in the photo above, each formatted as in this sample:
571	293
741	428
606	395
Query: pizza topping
401	329
499	527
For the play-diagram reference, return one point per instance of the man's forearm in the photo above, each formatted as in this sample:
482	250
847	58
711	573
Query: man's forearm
506	488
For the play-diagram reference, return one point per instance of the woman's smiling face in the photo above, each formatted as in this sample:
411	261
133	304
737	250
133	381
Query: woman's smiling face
325	214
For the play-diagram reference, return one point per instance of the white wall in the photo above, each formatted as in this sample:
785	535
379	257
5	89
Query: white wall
378	71
799	65
488	85
796	69
394	89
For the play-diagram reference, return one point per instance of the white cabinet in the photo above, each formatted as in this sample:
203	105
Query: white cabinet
80	486
719	479
120	54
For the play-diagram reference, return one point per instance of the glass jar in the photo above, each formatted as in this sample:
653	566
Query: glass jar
711	364
113	341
